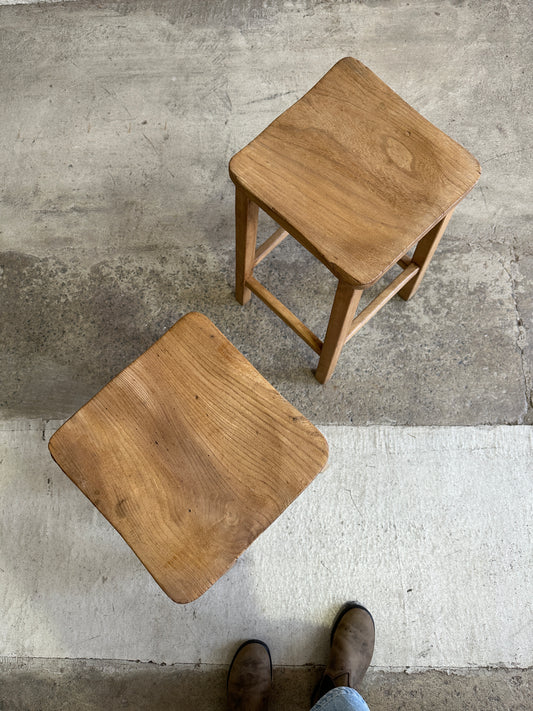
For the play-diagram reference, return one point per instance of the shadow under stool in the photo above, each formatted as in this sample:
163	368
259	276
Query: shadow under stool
358	177
190	454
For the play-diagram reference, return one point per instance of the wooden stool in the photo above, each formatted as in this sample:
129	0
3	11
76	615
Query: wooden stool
190	454
358	177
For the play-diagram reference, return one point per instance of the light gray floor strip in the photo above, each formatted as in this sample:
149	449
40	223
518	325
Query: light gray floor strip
428	527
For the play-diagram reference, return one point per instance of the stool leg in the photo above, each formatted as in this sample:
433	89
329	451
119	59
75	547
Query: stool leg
246	214
424	251
342	314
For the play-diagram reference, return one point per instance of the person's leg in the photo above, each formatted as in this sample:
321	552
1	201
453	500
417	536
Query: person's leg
352	646
250	677
342	698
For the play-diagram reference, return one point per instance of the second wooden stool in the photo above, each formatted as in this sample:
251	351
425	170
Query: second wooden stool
358	177
190	454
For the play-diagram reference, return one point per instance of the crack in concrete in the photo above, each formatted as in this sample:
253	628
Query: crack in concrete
512	270
521	339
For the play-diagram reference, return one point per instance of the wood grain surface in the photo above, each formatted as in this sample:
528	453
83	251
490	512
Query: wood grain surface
354	173
190	454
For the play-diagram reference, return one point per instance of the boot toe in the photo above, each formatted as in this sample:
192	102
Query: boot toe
250	678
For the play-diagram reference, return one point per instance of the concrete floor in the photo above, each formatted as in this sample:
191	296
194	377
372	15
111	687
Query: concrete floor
117	213
117	121
130	686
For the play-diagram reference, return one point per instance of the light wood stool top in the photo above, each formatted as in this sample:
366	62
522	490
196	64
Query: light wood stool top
190	454
358	177
354	173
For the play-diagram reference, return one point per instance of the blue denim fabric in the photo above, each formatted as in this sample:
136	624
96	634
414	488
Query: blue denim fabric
342	698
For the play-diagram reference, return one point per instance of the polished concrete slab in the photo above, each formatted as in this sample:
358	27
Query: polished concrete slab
117	122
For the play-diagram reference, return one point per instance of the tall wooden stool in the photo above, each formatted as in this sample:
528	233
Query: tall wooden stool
358	177
190	454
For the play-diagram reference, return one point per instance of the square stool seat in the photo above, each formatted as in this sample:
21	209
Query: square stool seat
358	177
190	454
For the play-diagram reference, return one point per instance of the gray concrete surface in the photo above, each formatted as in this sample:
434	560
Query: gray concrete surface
117	122
30	2
63	685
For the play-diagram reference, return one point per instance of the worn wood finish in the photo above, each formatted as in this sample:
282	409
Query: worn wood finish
190	454
424	252
404	262
379	302
354	173
269	244
285	314
342	312
246	215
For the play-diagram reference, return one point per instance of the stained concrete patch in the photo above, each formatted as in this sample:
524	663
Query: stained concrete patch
115	165
452	355
63	685
429	527
67	329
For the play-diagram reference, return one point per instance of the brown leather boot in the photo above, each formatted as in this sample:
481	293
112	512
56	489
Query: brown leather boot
352	646
250	677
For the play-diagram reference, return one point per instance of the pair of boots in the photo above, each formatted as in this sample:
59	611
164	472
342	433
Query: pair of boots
351	649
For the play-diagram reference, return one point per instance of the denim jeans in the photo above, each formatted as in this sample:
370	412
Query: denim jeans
342	698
